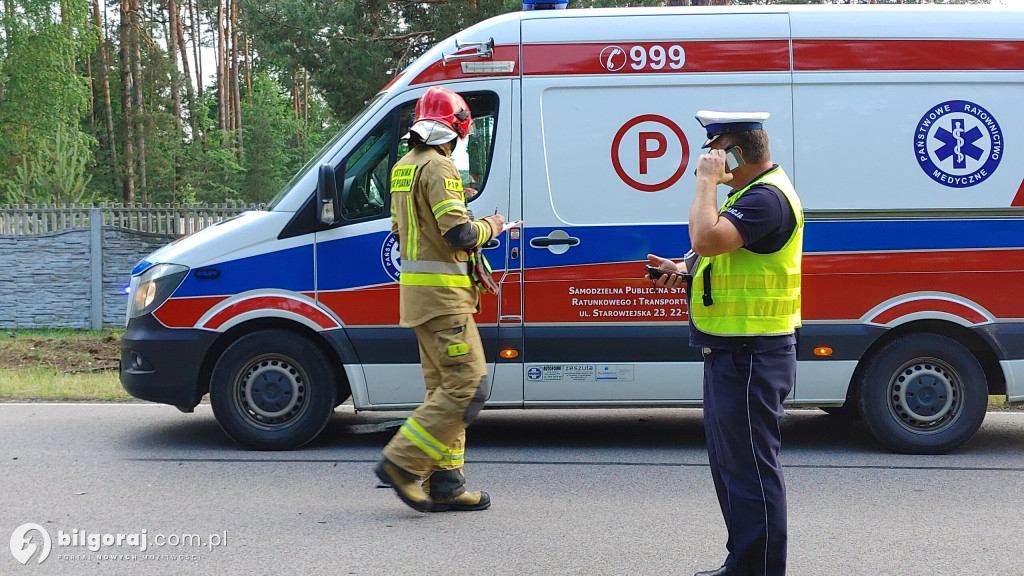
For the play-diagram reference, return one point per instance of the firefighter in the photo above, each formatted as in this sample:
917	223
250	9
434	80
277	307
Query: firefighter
744	309
442	273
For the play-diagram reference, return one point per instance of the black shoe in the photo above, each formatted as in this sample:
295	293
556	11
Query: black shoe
723	571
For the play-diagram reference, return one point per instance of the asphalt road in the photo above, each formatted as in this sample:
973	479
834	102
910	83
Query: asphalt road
575	492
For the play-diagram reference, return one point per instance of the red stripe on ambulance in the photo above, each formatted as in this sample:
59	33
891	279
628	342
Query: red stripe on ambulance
378	306
830	55
186	312
299	307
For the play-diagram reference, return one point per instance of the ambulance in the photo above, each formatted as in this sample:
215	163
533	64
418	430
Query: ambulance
901	127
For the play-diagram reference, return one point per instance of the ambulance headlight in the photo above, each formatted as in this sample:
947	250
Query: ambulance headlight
149	290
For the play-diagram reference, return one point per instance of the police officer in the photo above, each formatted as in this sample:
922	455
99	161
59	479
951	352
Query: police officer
744	309
436	234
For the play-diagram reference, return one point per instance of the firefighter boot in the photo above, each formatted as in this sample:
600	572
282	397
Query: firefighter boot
448	491
406	485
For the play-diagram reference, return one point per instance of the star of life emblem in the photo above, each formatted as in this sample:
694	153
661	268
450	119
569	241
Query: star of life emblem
958	143
390	257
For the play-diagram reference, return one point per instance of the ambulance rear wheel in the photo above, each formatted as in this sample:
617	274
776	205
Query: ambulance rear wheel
272	390
923	394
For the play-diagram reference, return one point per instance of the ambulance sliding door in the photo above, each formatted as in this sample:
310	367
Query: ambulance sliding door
609	148
358	263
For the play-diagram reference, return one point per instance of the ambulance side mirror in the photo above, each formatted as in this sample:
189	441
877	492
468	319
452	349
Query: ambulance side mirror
327	196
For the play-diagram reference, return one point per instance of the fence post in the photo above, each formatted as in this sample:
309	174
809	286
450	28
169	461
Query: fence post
96	267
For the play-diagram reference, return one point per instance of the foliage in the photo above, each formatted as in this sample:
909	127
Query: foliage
44	99
56	173
276	143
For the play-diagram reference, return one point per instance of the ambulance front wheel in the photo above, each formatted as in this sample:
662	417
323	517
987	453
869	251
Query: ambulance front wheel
272	390
923	394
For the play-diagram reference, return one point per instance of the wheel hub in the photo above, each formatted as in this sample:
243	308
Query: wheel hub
925	395
272	391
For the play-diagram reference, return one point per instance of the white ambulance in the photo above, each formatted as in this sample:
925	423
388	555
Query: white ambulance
902	128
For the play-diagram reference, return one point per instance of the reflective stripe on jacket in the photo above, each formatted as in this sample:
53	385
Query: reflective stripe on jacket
742	293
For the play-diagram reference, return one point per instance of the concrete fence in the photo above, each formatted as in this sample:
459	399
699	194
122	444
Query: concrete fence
76	277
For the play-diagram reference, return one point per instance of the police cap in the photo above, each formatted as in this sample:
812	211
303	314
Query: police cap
718	123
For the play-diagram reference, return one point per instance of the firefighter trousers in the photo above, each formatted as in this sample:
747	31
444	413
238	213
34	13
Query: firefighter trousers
454	372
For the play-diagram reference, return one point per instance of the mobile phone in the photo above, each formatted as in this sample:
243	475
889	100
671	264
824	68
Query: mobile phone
654	272
733	160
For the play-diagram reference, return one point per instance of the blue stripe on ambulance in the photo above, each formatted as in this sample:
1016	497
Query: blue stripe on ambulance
290	269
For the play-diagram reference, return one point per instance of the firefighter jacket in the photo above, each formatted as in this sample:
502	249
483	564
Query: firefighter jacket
427	201
742	293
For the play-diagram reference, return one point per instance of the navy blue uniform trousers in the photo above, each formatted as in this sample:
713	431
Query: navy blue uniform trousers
743	394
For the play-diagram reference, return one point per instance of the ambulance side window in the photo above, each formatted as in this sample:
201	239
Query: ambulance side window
366	171
473	156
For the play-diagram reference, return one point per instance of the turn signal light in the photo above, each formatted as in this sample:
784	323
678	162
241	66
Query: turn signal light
509	353
822	351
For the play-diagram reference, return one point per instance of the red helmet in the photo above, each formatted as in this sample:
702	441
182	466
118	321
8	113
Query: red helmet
446	107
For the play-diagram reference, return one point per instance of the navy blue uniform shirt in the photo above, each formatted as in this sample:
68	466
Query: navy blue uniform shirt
765	220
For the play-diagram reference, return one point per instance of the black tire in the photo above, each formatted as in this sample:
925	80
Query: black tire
923	394
273	390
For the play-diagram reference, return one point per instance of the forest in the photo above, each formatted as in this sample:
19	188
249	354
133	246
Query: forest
199	101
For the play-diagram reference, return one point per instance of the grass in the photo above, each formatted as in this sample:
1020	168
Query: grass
46	384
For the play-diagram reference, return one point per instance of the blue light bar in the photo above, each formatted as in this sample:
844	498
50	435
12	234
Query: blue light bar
545	4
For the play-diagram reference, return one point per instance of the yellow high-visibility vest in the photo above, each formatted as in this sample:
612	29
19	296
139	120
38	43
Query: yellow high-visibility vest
742	293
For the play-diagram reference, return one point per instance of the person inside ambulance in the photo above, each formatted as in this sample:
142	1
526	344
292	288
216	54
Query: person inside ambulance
442	275
744	300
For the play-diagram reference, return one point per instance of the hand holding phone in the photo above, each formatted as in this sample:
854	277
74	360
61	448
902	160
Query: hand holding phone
654	272
733	159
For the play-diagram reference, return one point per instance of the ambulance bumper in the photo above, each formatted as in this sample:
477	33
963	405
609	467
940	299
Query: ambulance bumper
163	365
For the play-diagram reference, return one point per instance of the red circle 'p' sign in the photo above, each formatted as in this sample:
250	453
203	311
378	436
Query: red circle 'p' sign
650	153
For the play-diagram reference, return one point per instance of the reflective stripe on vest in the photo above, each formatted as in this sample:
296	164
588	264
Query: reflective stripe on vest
742	293
431	273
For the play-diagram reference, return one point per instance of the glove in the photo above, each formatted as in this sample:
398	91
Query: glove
480	272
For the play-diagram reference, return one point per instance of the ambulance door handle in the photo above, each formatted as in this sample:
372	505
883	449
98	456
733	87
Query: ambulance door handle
557	242
491	244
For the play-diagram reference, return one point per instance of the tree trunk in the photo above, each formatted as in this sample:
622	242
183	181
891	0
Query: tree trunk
138	103
187	75
197	39
172	55
127	113
221	68
248	67
236	83
104	77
